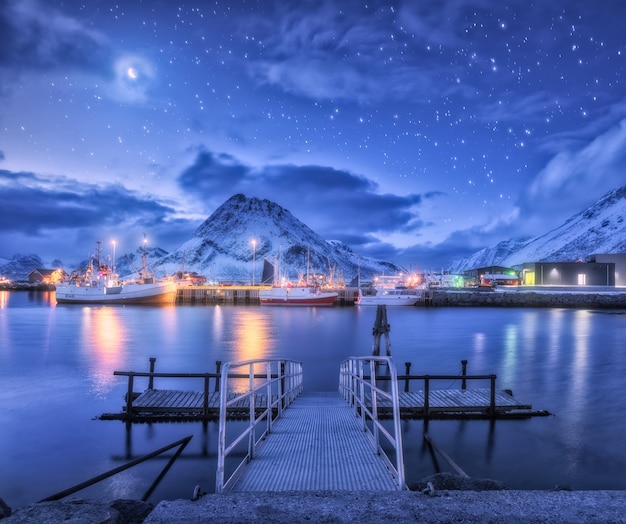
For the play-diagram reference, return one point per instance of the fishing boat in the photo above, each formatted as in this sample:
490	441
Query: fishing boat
100	284
297	296
400	296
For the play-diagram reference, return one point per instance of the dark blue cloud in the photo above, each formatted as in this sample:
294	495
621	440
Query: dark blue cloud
212	173
335	203
34	35
55	216
30	209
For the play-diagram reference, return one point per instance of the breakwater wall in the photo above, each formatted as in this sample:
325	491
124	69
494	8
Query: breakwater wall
468	298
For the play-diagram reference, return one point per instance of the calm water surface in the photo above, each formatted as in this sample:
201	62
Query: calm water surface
57	364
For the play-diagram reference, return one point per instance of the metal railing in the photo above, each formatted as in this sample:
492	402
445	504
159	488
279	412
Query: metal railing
180	444
361	391
280	380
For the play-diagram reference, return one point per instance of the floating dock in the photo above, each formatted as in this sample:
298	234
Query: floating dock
166	405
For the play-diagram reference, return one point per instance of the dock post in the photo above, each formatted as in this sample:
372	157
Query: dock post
218	372
426	395
492	400
129	397
463	374
407	366
205	399
151	379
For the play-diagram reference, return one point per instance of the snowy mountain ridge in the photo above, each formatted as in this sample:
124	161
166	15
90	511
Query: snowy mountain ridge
599	229
243	232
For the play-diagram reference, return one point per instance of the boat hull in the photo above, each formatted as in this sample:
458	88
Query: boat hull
395	301
296	297
160	293
395	297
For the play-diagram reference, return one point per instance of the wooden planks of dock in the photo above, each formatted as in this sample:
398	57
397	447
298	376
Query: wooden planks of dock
154	405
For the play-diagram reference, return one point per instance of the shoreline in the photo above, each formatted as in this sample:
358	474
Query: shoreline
442	506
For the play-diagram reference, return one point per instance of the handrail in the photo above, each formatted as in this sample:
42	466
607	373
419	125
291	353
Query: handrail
281	381
181	444
355	388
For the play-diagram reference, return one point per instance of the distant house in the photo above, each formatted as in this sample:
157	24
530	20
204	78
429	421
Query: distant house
45	276
568	274
620	266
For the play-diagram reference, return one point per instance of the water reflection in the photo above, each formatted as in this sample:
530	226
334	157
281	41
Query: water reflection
511	357
103	338
4	299
251	335
579	385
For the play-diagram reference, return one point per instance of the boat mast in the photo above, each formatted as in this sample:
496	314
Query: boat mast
143	259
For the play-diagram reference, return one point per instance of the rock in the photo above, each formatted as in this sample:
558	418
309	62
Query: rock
82	511
448	481
5	511
132	511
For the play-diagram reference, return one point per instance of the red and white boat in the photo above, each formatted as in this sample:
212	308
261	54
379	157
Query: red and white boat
297	296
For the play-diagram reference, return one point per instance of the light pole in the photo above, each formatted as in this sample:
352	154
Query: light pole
253	259
113	242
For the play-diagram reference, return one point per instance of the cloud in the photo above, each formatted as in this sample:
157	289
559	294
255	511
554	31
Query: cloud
54	213
573	179
35	35
32	204
211	173
335	203
327	53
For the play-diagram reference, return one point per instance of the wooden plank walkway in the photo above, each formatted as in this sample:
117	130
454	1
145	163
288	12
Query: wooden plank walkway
317	444
154	405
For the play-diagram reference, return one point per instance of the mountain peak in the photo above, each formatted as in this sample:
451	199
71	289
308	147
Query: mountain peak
232	243
599	229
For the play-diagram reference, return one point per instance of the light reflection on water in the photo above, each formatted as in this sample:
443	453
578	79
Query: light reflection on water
57	363
102	339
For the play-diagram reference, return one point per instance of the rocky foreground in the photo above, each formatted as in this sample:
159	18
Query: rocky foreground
444	499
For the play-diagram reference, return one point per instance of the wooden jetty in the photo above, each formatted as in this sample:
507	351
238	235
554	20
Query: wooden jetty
202	404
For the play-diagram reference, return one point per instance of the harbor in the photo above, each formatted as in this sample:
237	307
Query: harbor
563	361
518	296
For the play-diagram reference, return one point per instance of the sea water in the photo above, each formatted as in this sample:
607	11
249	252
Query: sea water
57	364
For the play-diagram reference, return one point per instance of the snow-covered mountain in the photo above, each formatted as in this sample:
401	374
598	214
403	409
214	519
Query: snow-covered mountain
130	265
599	229
243	232
19	266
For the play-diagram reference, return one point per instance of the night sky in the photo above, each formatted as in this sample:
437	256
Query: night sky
416	132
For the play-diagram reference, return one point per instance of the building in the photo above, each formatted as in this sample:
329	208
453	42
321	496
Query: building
568	274
620	266
46	276
474	277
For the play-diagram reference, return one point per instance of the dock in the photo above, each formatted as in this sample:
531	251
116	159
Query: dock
203	403
243	294
249	295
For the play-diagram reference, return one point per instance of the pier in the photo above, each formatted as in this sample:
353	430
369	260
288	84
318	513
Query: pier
419	397
242	295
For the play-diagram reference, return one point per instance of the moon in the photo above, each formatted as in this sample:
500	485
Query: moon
131	72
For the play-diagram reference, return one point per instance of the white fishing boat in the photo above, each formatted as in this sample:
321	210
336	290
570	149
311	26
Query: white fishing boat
297	296
99	284
391	297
